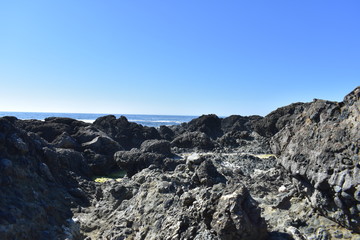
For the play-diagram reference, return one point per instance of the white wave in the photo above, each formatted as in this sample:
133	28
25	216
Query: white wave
159	121
87	120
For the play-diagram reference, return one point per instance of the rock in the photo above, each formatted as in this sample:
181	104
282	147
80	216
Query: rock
6	166
64	140
236	217
208	124
191	212
45	171
103	145
134	161
127	134
166	133
51	128
33	204
236	123
277	120
72	160
319	147
193	140
156	146
18	144
208	174
100	165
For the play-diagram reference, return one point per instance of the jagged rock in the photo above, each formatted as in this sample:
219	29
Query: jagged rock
48	192
103	145
193	140
276	120
199	212
51	127
208	174
156	146
237	217
100	165
32	204
236	123
65	141
208	124
320	147
166	133
74	161
127	134
134	161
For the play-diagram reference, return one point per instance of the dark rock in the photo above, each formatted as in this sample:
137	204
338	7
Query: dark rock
66	141
320	146
193	140
18	144
208	124
208	174
236	123
276	120
100	165
103	145
166	133
236	217
127	134
156	146
73	161
134	161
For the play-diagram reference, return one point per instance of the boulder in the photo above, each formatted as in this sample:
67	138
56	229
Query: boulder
193	140
100	165
103	145
208	124
237	217
166	133
127	134
134	161
156	146
65	141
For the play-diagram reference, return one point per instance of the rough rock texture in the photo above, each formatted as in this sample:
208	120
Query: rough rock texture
192	202
293	174
193	140
33	204
127	134
320	147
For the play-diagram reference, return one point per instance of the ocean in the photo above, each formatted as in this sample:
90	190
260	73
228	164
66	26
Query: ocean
145	120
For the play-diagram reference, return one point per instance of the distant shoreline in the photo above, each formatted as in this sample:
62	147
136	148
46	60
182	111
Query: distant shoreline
143	119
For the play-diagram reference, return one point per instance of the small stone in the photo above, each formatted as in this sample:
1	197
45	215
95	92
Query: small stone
337	189
282	189
338	234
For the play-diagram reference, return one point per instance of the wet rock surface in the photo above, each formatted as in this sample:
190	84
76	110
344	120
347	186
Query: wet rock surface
293	174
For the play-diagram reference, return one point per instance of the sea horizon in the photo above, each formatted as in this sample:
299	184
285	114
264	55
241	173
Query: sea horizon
150	120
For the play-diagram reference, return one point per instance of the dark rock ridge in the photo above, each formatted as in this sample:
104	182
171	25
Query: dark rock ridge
320	146
293	174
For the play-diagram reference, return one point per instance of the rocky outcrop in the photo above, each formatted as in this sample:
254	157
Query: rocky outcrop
193	140
192	202
51	128
293	174
33	204
319	146
276	120
127	134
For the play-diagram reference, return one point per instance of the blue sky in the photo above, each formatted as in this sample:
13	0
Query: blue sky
176	57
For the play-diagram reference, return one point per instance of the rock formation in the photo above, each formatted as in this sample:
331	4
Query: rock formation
293	174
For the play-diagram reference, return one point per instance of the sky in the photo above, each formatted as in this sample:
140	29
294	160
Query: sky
187	57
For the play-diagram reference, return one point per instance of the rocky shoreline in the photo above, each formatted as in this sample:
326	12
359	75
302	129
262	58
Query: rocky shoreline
293	174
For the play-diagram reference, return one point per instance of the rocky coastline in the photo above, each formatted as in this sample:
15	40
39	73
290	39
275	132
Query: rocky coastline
293	174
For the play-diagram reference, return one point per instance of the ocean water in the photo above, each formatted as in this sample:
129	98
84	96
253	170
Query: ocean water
145	120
